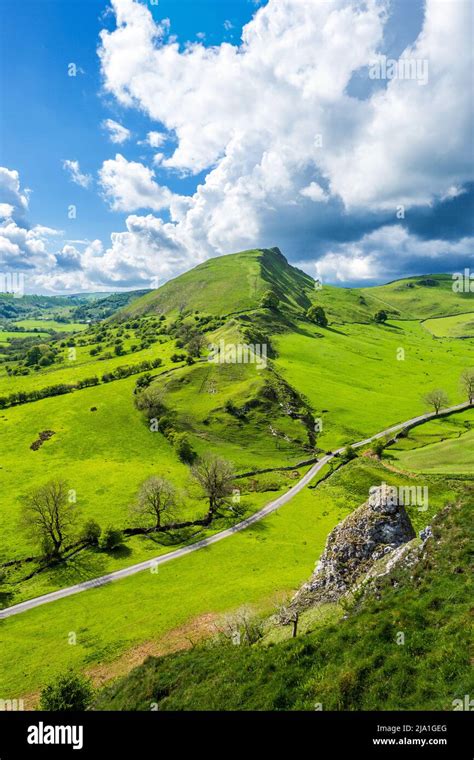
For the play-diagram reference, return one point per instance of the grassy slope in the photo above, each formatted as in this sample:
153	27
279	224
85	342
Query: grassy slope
275	555
227	285
413	299
354	664
443	446
457	326
354	381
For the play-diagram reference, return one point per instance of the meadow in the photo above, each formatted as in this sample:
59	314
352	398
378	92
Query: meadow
257	567
355	376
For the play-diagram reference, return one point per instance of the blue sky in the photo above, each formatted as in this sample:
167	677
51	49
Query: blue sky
233	163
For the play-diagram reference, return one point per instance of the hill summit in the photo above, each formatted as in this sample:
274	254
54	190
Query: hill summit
228	284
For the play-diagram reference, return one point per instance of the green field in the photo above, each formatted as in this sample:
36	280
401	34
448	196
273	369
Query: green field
51	324
276	555
355	382
457	326
442	446
6	336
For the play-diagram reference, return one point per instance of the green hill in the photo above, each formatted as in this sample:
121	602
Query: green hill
228	284
421	297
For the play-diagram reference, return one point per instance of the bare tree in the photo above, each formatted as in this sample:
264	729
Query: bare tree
215	476
289	616
242	626
467	382
437	398
49	517
156	500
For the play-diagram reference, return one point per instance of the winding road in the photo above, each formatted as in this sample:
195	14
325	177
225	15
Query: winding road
256	517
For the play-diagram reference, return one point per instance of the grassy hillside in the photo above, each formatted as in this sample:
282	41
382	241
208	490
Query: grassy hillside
445	446
357	376
228	284
421	297
457	326
257	566
354	663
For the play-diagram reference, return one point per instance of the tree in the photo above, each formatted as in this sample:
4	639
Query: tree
348	454
378	448
215	476
196	344
49	517
156	500
467	382
317	314
69	692
437	399
111	538
90	533
184	448
150	401
381	317
270	300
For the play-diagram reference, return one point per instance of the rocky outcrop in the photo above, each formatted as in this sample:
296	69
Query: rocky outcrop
376	529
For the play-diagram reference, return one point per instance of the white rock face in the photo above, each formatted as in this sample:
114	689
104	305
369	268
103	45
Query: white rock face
372	531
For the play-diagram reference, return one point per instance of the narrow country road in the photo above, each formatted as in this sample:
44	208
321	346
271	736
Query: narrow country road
268	509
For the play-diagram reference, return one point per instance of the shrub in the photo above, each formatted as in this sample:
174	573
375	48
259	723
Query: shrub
69	692
90	533
317	315
184	449
111	538
270	300
348	454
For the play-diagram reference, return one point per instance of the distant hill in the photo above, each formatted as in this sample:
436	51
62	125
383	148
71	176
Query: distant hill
235	283
102	307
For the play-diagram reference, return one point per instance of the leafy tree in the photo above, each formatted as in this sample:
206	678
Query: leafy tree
184	448
437	398
90	533
215	476
111	538
348	454
156	500
270	300
143	382
69	692
378	447
196	345
150	401
49	517
381	317
317	315
467	382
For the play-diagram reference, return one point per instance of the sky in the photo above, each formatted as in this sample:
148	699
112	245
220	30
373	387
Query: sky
139	138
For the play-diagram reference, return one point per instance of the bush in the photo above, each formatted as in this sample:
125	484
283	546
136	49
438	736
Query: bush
111	538
348	454
90	533
317	315
270	300
69	692
183	448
